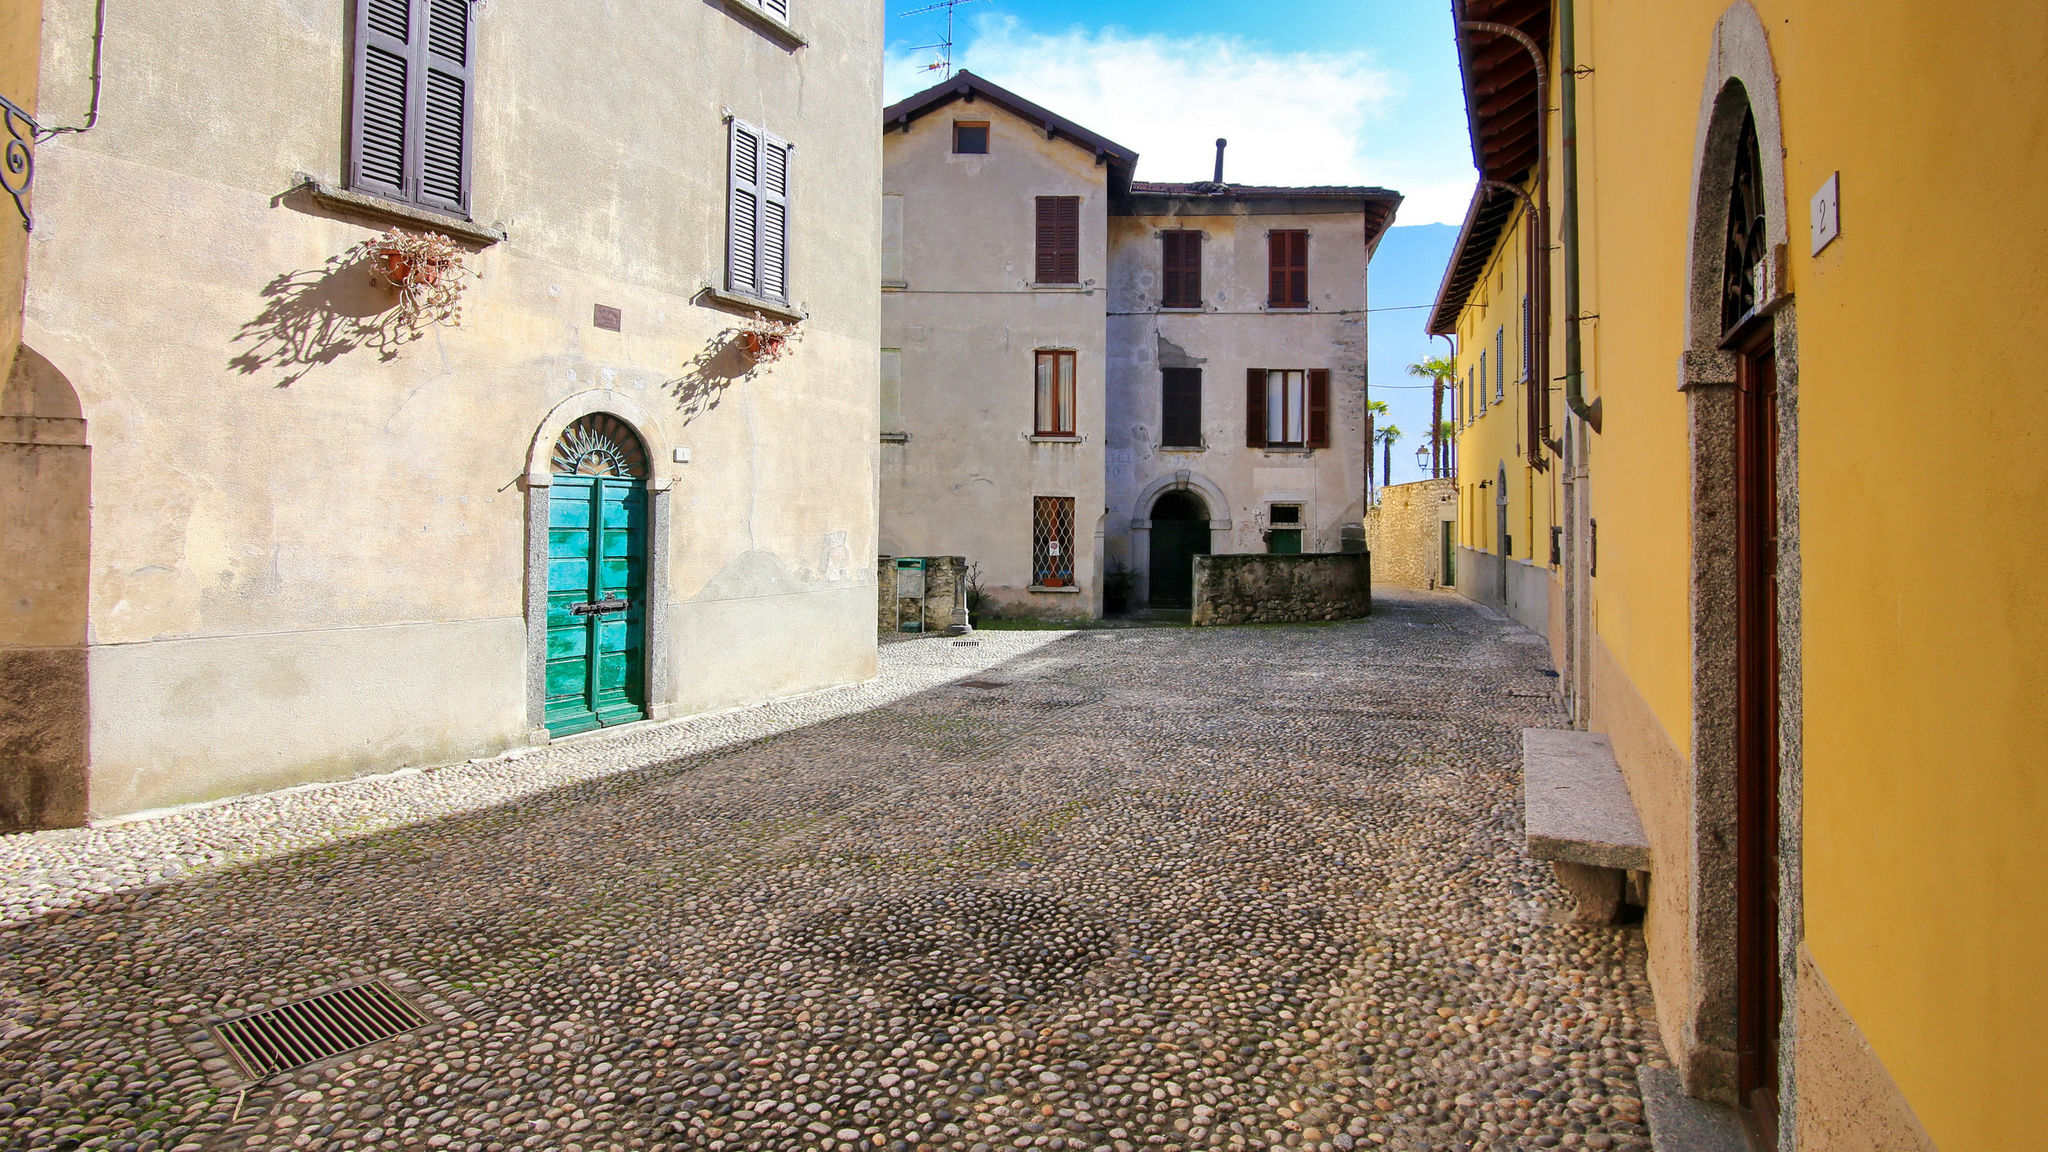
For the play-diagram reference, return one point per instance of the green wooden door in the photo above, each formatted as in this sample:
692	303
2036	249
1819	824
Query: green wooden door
597	603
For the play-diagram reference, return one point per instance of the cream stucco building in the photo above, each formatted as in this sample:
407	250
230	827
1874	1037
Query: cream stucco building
1082	374
318	547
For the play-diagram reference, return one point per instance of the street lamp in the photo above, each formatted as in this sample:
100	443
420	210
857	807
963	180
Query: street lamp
1422	458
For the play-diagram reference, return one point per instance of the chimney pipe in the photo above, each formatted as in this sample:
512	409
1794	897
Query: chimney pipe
1221	143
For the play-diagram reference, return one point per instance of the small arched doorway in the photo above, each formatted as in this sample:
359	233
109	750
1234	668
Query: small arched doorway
597	576
1180	532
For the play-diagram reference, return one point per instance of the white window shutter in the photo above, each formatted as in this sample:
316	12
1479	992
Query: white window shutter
743	242
776	8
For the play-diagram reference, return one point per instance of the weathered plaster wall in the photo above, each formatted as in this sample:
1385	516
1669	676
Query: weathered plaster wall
967	322
21	29
1404	534
309	539
1232	333
1253	588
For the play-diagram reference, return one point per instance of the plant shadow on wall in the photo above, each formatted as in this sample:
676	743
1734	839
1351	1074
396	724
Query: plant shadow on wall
734	356
380	295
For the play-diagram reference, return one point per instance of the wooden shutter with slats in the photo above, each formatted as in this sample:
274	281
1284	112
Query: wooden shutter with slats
445	105
1287	269
1255	407
1180	407
411	124
1319	407
774	237
743	213
1181	267
1059	240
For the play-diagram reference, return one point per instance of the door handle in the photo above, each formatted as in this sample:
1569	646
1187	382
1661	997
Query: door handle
600	607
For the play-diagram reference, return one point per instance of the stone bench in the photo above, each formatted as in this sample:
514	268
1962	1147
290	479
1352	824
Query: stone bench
1577	813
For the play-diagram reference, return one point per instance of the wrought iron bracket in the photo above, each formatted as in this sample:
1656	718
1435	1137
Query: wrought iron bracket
19	168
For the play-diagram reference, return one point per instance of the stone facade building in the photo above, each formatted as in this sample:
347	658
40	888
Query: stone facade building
1412	534
1082	372
330	537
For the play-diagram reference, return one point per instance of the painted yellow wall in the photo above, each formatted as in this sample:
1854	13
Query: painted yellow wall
1925	647
1497	437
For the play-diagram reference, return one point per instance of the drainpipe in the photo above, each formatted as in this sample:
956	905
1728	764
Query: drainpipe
1538	228
1568	108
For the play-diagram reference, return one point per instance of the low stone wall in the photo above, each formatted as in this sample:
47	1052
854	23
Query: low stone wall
1262	589
945	581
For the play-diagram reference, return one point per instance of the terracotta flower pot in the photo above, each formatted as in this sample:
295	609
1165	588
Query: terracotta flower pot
396	267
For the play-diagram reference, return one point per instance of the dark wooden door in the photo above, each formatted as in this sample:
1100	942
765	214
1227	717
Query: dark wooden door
1180	532
597	582
1759	998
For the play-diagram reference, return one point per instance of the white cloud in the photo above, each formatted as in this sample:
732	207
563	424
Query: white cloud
1325	117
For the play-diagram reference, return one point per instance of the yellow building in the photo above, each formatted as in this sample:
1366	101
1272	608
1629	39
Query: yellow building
1788	240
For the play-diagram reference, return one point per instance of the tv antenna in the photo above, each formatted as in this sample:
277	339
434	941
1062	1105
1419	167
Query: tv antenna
944	47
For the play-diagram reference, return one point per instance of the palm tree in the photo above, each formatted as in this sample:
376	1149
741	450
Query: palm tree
1438	370
1374	410
1386	437
1447	439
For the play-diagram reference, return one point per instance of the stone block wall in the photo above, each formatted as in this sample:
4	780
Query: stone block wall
945	582
1265	589
1402	533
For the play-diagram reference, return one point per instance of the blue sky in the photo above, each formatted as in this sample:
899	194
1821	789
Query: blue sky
1313	92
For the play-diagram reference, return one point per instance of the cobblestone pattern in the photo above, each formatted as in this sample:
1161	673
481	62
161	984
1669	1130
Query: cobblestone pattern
1131	889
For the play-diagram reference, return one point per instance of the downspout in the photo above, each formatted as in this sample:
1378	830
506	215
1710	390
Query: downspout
1568	109
1538	271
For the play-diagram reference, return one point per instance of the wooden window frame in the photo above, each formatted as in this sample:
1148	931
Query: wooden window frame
1178	426
1500	364
1310	404
1058	240
1053	397
1287	268
985	142
425	81
1180	268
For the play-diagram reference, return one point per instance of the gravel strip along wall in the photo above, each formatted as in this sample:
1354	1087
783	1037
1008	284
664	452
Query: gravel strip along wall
1123	889
1265	589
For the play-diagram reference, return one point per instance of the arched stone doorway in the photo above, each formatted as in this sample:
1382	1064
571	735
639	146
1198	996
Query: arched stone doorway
597	530
1180	532
46	500
1741	382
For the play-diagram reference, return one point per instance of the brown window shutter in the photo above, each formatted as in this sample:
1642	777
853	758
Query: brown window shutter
1047	226
1297	285
1255	407
1181	284
1276	268
1059	240
1169	269
1319	407
1180	407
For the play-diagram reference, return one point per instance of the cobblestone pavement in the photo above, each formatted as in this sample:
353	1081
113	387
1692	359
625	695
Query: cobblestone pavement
1128	889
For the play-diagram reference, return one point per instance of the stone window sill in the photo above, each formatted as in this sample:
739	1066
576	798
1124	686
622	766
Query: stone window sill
1166	310
391	211
1044	438
1183	447
774	29
895	437
895	285
1036	287
1062	590
1284	450
740	301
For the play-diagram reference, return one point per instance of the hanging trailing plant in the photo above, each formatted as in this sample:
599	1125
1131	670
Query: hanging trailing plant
766	340
426	270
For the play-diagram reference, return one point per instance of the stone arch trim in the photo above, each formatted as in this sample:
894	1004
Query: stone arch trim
539	484
1739	77
660	474
1182	481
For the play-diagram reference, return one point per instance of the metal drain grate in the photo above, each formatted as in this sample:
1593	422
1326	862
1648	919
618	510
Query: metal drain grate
297	1034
